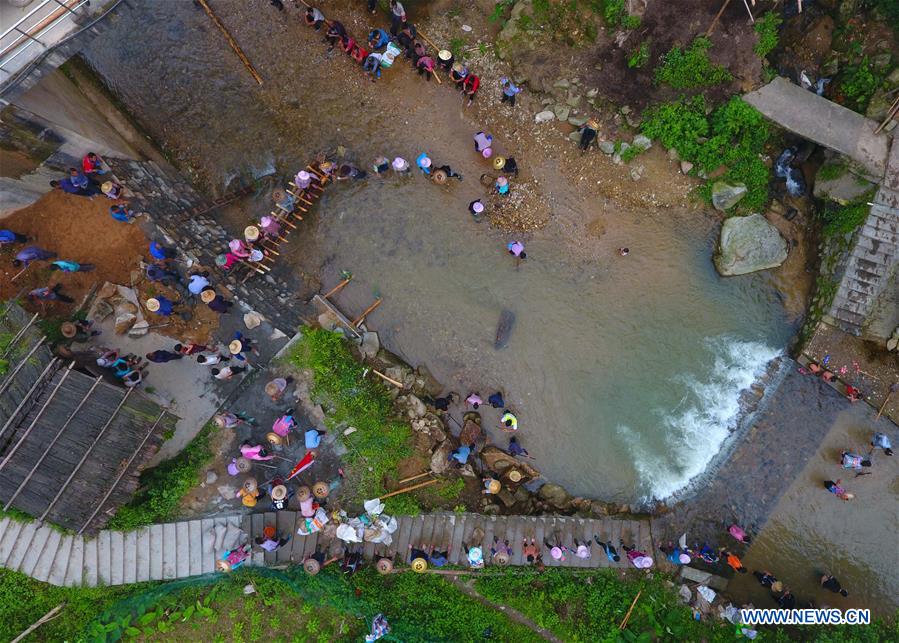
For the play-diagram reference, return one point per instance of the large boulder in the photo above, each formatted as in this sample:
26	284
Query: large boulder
410	407
554	495
749	244
440	462
726	195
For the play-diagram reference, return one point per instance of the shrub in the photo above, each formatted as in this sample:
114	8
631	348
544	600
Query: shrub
690	67
350	399
859	83
615	14
734	135
840	220
640	55
766	27
163	486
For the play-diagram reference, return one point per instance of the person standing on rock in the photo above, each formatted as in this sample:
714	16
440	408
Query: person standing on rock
254	451
270	541
227	372
830	583
837	490
734	562
765	578
461	454
314	18
588	134
275	388
516	248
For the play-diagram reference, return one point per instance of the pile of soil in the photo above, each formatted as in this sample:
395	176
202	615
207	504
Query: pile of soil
78	229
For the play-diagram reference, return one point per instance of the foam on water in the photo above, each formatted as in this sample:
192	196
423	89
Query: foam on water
696	429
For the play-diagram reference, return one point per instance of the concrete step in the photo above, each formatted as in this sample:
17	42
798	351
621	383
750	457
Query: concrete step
182	552
11	530
34	546
884	235
130	567
90	563
874	250
44	563
61	561
156	544
169	552
116	558
143	555
75	571
104	570
207	527
195	530
868	267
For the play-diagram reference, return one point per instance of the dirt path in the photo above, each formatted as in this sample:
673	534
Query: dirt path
518	617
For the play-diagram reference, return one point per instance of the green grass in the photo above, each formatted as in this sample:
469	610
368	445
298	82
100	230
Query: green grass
840	220
163	487
351	400
690	67
831	171
640	56
767	27
734	134
631	153
614	12
857	83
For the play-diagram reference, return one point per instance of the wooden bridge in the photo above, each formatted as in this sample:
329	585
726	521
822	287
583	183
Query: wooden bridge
190	548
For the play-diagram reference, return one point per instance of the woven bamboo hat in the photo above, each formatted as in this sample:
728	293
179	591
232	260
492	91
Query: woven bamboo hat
152	304
494	486
251	233
499	163
515	475
501	558
458	68
384	566
278	195
273	438
279	492
303	493
235	347
220	421
244	465
250	484
272	389
106	187
68	329
223	566
311	566
445	54
777	586
419	565
320	489
207	295
439	177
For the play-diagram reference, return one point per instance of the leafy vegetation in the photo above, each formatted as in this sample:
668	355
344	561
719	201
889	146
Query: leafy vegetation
858	83
351	400
839	220
766	27
615	14
733	135
640	55
163	487
691	67
630	153
830	171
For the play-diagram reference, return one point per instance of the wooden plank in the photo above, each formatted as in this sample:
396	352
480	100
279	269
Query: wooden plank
270	520
195	554
21	545
491	524
116	557
169	551
257	524
415	531
156	547
403	535
41	570
207	527
646	539
34	549
182	550
458	529
90	563
615	536
143	555
540	534
443	532
62	561
311	543
285	523
296	541
103	555
427	529
10	535
518	527
472	522
130	565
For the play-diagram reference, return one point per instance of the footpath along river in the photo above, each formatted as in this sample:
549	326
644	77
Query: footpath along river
625	372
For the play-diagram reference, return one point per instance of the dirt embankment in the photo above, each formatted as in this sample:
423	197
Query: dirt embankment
77	229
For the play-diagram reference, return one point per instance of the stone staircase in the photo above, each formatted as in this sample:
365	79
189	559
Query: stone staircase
870	266
158	552
181	549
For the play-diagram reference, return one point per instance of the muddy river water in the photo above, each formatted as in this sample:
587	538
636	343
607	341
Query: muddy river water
625	372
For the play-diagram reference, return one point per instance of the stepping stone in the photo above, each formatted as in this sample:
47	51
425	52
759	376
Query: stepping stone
143	555
90	563
60	564
41	570
156	545
169	551
116	558
104	569
75	570
207	525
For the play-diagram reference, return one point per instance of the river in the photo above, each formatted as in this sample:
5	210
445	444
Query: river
625	372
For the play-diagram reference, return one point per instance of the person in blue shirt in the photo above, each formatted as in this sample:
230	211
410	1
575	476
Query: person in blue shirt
423	163
313	437
67	186
461	454
71	266
8	236
510	91
160	252
78	179
121	213
31	253
161	305
377	38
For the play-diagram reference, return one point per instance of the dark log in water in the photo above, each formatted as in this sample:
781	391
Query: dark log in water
504	328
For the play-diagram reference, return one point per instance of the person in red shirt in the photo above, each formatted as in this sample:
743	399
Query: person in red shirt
470	87
426	66
92	164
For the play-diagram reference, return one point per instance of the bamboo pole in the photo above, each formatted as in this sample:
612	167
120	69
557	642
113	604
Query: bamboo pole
717	17
891	112
399	385
749	11
231	41
885	402
49	616
19	274
361	317
410	478
337	287
412	488
628	615
434	74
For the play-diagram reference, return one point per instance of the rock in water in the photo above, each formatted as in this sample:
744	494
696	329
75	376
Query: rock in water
504	328
554	495
748	244
726	195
